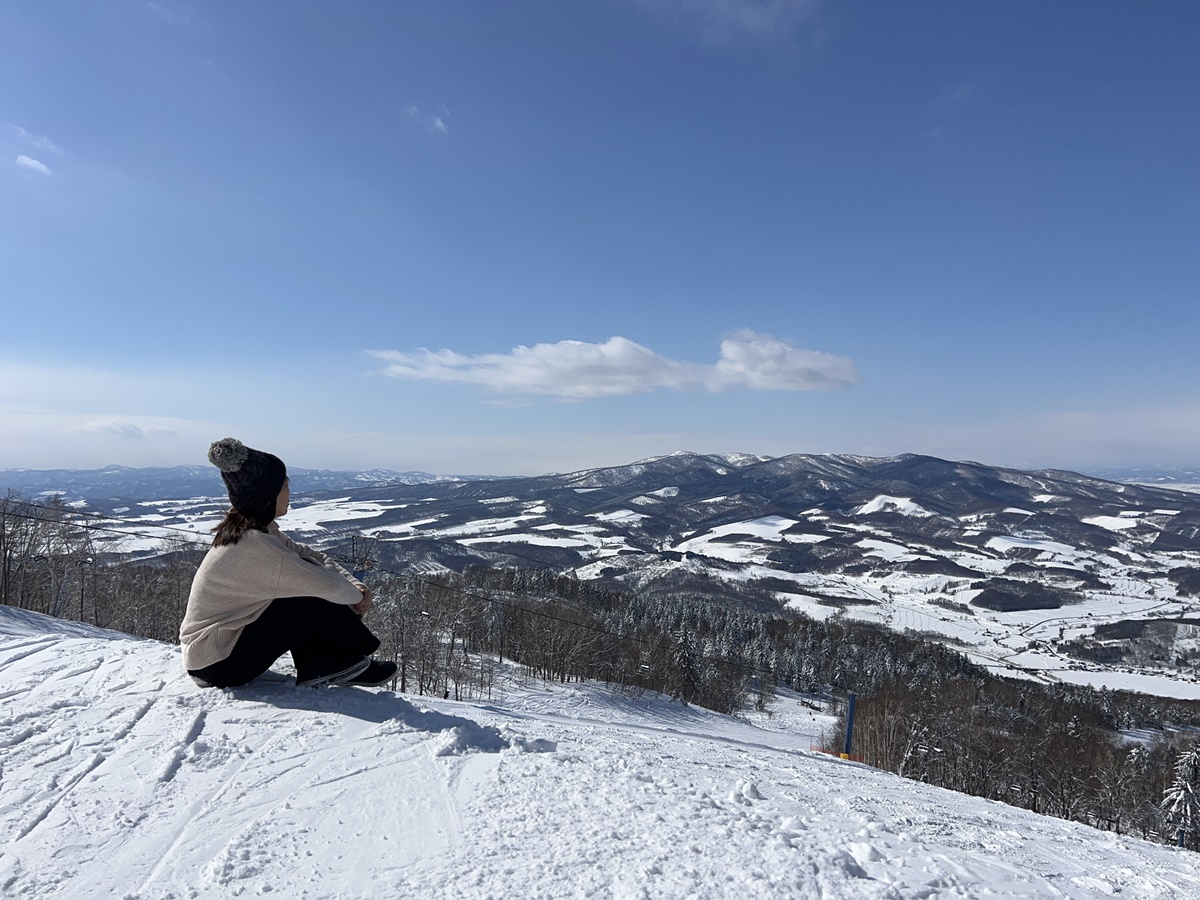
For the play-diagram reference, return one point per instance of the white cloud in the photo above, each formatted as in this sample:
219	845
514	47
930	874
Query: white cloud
575	370
38	141
763	363
33	165
722	21
433	123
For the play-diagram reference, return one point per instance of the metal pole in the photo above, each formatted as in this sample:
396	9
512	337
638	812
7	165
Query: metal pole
82	570
849	724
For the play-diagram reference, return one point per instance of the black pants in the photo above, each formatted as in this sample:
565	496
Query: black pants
323	638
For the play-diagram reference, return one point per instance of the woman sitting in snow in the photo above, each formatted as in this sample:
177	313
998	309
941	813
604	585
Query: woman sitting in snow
258	594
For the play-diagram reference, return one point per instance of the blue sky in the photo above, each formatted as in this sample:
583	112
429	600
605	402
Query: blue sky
521	237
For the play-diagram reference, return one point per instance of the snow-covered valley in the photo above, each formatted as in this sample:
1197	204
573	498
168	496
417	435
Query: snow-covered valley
120	778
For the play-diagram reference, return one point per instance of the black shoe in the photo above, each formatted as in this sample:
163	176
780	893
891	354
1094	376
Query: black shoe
375	674
340	677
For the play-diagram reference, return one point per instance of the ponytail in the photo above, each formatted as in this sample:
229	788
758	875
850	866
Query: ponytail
233	526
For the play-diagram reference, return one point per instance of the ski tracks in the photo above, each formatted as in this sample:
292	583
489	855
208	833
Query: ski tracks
333	820
190	792
56	742
555	823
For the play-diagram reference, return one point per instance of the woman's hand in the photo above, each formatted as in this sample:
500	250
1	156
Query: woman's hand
363	605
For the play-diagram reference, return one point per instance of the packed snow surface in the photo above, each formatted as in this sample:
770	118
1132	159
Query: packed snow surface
1112	523
120	778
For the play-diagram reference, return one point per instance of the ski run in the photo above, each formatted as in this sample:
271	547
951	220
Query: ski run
120	778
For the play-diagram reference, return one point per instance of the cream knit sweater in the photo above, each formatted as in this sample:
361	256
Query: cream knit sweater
237	582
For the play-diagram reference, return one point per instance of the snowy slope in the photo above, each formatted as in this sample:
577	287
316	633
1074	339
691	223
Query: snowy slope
119	778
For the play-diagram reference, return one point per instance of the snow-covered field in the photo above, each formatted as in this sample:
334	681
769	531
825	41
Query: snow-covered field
120	778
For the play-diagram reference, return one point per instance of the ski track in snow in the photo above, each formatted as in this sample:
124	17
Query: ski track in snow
120	778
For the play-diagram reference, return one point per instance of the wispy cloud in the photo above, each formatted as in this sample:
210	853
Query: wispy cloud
725	21
167	14
54	415
576	370
946	105
37	141
434	123
126	429
38	436
33	165
955	95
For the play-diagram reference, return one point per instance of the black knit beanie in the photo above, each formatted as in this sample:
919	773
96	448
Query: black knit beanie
253	478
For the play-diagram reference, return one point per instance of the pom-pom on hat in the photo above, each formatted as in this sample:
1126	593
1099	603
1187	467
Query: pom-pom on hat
253	478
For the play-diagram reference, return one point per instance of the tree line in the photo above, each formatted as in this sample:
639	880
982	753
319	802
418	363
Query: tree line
51	563
925	711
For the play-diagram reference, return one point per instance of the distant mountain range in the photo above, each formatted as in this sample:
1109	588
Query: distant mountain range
120	483
123	483
1036	572
1167	476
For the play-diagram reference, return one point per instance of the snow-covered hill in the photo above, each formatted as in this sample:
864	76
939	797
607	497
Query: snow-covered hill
1033	574
120	778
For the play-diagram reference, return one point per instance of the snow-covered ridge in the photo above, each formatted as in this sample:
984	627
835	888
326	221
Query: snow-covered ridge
122	779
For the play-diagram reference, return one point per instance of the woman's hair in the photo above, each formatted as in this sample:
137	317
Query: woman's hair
234	525
231	528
